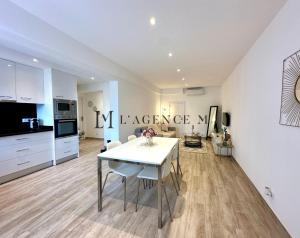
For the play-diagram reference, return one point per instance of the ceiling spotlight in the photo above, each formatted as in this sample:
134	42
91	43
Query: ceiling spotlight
9	65
152	21
178	70
183	79
170	54
92	78
35	60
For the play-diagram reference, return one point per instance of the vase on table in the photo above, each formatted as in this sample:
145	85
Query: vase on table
149	140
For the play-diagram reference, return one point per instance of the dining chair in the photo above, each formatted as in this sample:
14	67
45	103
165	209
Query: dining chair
151	173
145	182
131	137
174	159
125	170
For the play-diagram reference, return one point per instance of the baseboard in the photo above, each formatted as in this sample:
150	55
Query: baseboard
24	172
70	157
94	138
255	190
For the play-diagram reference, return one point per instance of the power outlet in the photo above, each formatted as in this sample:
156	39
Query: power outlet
268	191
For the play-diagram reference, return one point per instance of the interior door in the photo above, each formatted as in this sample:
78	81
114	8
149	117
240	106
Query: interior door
92	102
177	109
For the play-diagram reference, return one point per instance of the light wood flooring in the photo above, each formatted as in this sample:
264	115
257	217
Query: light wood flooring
216	200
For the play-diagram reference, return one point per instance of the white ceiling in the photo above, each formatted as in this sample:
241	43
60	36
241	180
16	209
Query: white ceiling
207	37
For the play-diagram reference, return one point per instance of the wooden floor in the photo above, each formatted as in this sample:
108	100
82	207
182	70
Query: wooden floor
216	200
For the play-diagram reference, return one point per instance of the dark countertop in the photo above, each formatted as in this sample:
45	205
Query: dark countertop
26	131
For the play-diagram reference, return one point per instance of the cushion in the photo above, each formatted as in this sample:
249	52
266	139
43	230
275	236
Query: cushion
169	134
164	127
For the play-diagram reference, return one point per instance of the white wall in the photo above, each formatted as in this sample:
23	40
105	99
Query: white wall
267	152
87	112
135	100
124	98
194	105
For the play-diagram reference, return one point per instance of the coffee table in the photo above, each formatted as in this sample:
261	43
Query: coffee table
192	141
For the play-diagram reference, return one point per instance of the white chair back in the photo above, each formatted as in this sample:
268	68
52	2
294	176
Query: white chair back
110	145
131	137
166	168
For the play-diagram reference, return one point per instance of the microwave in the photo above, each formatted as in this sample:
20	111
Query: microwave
65	109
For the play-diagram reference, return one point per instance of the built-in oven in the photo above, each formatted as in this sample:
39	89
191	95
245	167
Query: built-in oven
65	127
64	109
65	117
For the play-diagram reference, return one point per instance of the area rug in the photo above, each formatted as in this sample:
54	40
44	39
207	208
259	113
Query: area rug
202	150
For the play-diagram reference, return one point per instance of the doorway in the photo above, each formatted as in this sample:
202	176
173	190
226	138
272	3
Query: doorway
177	108
88	105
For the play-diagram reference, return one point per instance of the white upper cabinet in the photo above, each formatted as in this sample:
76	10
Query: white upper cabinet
7	80
64	85
29	84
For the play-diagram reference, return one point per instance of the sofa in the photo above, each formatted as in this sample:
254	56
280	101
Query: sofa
162	131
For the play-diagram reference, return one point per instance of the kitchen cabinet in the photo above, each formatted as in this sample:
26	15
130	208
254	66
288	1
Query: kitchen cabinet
23	154
29	84
66	147
64	85
7	80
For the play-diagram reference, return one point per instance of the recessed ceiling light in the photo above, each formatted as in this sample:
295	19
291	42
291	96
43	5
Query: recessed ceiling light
92	78
170	54
178	70
9	65
183	79
152	21
35	60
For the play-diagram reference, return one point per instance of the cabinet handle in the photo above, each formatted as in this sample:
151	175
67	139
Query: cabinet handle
24	163
60	96
26	98
24	138
67	142
67	151
5	96
22	149
74	120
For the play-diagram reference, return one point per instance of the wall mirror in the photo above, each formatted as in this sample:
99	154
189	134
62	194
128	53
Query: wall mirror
290	97
297	89
212	121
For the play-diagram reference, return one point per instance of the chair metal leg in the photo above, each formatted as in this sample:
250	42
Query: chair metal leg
176	176
180	169
144	184
137	197
174	183
110	172
167	201
124	193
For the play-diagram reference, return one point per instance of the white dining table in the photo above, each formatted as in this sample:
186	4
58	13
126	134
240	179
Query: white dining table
138	152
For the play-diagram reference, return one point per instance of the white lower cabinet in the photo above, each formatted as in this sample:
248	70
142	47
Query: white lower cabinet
25	151
25	162
66	147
